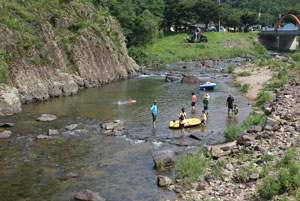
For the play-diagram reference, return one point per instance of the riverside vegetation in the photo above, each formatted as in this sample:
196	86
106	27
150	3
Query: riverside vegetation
265	164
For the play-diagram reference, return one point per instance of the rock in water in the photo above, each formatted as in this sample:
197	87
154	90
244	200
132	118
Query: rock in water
88	195
4	125
53	132
190	79
5	134
71	127
172	77
43	137
46	117
163	181
163	158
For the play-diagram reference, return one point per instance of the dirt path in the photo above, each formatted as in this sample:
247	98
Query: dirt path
256	80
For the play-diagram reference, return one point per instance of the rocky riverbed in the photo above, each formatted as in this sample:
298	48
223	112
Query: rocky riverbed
242	163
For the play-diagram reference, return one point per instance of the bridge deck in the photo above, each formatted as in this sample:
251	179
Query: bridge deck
281	33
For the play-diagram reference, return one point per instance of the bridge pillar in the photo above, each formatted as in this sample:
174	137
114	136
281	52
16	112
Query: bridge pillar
287	42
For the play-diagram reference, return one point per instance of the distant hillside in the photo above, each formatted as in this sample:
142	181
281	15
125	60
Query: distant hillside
51	48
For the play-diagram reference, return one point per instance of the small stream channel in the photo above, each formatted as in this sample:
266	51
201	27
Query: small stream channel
118	168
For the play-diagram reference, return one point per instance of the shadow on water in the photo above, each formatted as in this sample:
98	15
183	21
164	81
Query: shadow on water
119	168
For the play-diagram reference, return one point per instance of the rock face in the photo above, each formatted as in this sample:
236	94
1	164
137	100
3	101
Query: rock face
190	79
88	195
64	60
164	158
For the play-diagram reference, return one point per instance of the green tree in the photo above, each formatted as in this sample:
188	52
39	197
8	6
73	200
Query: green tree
146	29
206	11
250	18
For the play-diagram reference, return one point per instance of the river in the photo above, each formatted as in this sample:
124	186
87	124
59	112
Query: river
118	168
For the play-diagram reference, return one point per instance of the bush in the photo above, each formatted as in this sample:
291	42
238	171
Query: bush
190	167
245	88
232	133
141	56
263	98
244	74
253	120
231	68
286	178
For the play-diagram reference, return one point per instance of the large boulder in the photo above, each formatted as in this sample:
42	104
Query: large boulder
246	139
172	77
271	125
208	63
10	101
220	150
190	79
163	181
163	158
88	195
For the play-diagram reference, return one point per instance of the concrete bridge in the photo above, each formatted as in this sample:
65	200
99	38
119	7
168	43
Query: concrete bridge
281	39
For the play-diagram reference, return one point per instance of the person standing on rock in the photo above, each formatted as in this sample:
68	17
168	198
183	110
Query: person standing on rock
229	103
194	100
154	112
205	103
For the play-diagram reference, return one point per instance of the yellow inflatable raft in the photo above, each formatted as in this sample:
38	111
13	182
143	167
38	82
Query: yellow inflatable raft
187	123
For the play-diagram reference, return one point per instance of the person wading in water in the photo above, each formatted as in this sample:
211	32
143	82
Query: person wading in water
229	103
154	112
182	117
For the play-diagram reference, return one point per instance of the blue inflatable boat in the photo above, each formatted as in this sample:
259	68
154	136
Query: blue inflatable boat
208	85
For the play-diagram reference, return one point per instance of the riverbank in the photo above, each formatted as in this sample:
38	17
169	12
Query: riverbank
263	160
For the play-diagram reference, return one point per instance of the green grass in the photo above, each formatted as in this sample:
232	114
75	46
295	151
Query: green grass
286	177
190	166
231	68
233	132
172	47
245	88
263	98
244	74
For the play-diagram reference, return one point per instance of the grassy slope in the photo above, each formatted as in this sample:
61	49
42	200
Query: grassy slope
172	48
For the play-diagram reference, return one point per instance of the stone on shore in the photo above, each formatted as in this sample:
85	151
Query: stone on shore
255	129
271	125
71	127
190	79
5	134
218	151
246	139
46	117
163	181
53	132
163	158
88	195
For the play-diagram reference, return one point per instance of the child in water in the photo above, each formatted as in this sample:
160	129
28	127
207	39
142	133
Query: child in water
203	118
235	109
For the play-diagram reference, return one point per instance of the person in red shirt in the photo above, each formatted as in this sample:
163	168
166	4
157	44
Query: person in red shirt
194	100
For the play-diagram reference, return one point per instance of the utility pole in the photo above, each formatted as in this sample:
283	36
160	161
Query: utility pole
219	17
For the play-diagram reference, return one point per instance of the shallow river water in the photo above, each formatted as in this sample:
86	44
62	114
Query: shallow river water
118	168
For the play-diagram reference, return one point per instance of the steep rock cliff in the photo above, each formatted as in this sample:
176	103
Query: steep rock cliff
51	48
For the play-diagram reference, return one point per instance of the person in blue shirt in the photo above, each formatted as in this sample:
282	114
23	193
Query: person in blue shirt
154	112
